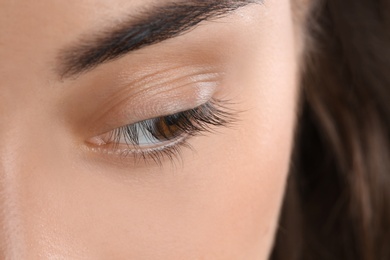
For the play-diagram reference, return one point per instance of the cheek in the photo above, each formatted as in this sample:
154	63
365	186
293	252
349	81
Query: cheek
241	172
248	165
245	171
241	191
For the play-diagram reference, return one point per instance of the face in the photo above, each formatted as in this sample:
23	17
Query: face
129	133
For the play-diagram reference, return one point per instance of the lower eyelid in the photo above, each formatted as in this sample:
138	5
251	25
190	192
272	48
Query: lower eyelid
123	154
114	148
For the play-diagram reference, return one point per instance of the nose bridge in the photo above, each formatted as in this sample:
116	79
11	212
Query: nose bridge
22	166
12	239
12	233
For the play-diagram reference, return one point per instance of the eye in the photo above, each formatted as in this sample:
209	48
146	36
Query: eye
165	128
164	135
149	133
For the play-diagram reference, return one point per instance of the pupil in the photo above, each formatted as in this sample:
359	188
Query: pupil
171	120
166	128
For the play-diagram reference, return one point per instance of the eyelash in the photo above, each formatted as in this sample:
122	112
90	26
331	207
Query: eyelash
203	119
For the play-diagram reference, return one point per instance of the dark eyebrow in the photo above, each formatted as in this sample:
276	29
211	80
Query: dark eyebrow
151	26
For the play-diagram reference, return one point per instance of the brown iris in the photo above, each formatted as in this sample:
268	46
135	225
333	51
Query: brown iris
167	128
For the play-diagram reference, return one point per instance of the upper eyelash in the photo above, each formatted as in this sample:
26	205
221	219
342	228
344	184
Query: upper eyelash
205	118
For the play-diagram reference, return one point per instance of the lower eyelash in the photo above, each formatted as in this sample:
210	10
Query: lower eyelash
203	119
172	153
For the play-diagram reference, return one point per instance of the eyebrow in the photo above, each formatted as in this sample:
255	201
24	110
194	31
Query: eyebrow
151	26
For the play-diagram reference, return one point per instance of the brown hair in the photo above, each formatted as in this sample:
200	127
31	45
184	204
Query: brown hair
337	204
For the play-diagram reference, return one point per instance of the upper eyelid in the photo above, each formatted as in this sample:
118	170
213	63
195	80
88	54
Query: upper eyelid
161	87
161	116
137	82
164	76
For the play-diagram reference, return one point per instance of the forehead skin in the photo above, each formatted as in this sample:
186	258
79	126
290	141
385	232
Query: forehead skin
223	203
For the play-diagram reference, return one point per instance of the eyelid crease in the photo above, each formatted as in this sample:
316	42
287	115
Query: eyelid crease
163	76
136	82
159	104
164	97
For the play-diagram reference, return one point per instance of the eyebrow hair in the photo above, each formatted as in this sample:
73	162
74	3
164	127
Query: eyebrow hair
151	26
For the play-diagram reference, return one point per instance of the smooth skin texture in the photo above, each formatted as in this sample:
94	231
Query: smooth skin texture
62	199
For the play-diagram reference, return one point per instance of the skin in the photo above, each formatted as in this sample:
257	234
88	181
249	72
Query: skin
61	197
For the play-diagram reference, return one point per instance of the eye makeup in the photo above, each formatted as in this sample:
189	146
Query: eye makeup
162	137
